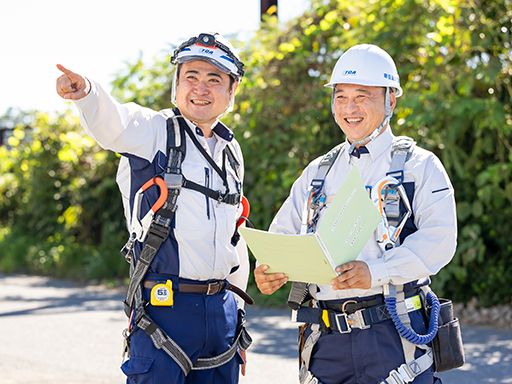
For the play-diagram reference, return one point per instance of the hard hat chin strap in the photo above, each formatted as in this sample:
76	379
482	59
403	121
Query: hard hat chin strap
380	128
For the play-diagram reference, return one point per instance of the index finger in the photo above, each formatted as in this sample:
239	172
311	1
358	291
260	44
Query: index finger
66	71
344	267
261	268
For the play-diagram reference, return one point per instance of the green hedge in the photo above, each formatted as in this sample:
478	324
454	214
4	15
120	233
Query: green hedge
60	210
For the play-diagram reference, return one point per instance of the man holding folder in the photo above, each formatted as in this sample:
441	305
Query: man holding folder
348	344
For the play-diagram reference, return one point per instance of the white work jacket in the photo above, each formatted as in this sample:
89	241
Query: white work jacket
424	252
203	227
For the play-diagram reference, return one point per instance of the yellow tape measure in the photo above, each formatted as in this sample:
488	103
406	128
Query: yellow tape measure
162	295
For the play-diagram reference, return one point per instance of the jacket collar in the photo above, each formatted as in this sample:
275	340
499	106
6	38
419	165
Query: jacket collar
219	128
375	147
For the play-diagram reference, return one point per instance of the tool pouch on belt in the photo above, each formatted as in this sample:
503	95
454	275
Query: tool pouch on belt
447	345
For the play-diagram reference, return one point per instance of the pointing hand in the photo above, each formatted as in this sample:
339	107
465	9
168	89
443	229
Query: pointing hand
71	85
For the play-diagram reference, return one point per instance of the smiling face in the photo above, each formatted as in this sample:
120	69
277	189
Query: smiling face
203	93
359	109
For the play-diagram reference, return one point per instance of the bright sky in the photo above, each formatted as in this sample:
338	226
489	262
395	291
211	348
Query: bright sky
96	38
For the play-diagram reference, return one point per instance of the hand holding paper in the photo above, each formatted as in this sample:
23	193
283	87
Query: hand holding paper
344	228
268	283
353	275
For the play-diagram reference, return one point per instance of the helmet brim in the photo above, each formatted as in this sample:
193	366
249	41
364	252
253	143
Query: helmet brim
221	67
398	90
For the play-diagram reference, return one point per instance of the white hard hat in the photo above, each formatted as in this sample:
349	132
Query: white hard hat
212	48
366	64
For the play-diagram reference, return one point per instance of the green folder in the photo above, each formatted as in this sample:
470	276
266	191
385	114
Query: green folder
344	228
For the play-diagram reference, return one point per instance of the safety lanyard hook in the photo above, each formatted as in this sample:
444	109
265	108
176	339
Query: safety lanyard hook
140	227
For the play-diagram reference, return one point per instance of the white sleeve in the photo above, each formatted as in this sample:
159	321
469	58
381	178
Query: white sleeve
123	182
433	245
124	128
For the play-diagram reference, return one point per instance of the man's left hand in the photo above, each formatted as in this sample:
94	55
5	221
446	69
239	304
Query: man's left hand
353	275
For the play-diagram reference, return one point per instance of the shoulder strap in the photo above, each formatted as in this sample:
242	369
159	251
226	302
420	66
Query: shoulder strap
313	202
299	292
401	150
233	161
325	165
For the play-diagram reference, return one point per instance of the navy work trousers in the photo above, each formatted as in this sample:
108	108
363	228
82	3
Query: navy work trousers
364	356
203	326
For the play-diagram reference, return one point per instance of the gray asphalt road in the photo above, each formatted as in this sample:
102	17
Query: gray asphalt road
56	332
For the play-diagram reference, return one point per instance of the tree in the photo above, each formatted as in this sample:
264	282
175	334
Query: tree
454	60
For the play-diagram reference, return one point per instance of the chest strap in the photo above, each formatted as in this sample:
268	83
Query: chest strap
222	197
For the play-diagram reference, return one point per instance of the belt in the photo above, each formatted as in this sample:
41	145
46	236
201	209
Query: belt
352	305
343	321
207	289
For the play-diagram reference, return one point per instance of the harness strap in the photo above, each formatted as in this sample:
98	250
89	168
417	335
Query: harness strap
227	198
177	151
157	234
299	291
221	172
401	150
162	341
407	372
160	226
305	376
316	198
408	347
233	161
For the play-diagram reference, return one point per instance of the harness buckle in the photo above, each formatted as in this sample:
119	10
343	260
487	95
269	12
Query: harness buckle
396	378
358	320
406	373
402	375
127	250
344	326
344	305
173	180
345	322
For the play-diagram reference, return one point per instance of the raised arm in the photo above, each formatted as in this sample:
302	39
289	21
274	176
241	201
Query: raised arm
124	128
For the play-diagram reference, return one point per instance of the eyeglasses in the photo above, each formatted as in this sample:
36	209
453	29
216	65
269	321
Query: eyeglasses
208	40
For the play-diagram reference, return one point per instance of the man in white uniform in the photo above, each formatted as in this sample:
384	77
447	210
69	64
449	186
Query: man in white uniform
182	181
360	344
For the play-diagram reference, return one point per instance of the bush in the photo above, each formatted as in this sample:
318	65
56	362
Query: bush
61	210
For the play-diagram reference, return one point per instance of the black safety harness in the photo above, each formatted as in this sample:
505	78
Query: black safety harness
157	233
